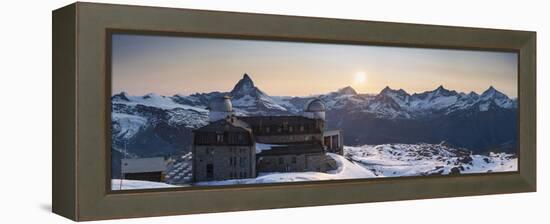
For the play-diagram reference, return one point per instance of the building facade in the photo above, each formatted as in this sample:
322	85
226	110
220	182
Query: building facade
309	157
223	150
229	147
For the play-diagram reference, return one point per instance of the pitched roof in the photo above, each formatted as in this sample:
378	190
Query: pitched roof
143	165
224	125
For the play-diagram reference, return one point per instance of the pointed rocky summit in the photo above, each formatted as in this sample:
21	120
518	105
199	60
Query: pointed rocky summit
244	85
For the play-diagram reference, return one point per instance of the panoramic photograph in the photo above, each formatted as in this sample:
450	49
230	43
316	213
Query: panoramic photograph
197	111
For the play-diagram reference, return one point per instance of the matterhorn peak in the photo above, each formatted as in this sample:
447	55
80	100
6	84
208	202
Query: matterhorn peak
246	77
244	85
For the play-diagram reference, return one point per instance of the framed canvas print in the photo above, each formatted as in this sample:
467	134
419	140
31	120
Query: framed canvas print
201	111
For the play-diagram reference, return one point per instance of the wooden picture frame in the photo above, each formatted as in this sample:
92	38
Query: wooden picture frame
81	111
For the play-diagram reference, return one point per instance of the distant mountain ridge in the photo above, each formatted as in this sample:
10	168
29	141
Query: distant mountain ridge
478	122
389	103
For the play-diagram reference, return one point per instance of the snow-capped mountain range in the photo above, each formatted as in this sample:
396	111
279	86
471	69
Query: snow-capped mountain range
248	99
479	122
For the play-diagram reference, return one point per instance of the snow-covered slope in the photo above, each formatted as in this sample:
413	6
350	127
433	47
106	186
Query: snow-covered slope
345	170
152	100
126	125
391	160
118	184
153	125
362	162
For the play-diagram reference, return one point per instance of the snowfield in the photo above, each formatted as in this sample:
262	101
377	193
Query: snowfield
157	101
391	160
345	170
394	160
371	161
127	125
138	184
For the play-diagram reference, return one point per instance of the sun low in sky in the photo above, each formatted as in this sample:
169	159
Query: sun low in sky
170	65
359	80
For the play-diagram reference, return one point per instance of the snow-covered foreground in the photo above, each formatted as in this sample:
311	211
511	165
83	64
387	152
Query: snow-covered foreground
394	160
138	184
346	170
374	161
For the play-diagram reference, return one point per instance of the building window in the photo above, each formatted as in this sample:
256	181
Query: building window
266	129
209	171
281	160
240	137
290	129
219	138
327	142
301	128
279	129
294	159
242	161
209	151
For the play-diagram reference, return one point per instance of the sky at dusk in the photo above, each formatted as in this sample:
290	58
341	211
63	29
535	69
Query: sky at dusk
184	65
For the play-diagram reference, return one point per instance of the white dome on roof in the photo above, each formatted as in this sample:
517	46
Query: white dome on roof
220	108
222	104
315	109
315	105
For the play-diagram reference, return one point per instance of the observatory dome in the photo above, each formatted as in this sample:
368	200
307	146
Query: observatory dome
222	104
315	105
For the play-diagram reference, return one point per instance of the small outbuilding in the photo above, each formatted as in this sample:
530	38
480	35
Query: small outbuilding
147	169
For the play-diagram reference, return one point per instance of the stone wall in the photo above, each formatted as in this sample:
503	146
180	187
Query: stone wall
226	162
315	162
